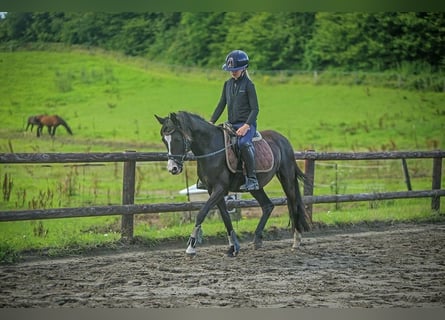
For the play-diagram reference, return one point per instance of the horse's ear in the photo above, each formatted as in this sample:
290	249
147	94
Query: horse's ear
161	120
174	119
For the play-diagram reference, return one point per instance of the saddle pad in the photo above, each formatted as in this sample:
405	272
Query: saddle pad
264	159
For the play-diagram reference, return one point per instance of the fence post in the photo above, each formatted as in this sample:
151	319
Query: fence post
128	184
309	171
406	174
337	206
436	184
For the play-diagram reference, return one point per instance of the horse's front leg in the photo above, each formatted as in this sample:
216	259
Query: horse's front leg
194	239
234	246
39	130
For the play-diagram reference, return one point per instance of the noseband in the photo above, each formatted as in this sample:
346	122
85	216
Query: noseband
179	158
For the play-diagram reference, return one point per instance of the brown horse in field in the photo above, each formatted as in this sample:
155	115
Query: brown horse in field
52	122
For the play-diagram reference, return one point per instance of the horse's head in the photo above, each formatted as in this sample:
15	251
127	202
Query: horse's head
176	141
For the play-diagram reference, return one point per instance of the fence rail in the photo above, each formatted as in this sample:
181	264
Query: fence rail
161	156
129	158
131	209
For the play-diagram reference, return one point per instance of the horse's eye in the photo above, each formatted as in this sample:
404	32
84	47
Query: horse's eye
168	131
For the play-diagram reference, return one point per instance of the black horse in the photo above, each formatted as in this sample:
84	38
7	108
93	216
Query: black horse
183	132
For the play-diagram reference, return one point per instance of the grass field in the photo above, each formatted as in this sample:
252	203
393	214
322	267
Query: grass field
110	100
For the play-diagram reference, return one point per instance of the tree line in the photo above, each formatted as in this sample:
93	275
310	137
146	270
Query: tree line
364	41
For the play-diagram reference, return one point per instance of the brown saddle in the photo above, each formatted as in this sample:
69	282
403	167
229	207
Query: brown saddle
264	158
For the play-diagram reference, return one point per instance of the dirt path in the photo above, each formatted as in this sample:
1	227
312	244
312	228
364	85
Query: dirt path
400	265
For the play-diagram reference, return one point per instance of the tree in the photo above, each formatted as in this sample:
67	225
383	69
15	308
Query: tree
413	37
274	41
136	35
17	24
165	27
88	28
195	34
375	41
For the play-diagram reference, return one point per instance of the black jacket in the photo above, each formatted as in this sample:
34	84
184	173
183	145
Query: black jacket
241	100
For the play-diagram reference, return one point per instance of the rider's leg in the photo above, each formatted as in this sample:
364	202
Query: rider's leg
248	155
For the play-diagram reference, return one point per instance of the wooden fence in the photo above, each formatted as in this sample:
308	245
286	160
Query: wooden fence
129	158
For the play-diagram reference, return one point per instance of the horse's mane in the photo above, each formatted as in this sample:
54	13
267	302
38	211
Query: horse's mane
190	121
186	117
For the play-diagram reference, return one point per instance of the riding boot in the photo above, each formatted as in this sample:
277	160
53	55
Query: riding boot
248	156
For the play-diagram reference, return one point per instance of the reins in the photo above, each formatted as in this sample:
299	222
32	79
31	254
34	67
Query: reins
187	148
214	152
183	156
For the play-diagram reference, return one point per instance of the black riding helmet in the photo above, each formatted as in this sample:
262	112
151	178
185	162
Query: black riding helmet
236	60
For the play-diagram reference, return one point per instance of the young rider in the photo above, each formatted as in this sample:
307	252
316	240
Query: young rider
239	95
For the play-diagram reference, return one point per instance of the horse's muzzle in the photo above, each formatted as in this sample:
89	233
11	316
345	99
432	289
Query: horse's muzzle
173	167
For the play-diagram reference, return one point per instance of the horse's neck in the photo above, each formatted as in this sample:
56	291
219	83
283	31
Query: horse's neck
206	140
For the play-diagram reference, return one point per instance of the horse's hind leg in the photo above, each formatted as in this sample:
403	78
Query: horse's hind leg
49	130
53	131
234	246
289	183
266	206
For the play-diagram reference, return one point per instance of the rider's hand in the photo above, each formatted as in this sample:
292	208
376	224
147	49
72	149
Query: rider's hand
243	130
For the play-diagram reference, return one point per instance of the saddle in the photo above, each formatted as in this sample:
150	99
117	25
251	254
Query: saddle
264	158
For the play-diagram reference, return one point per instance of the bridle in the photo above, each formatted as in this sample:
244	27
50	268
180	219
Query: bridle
180	158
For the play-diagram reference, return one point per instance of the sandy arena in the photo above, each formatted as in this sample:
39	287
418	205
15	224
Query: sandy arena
399	265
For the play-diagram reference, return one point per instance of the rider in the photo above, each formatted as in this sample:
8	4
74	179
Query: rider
240	96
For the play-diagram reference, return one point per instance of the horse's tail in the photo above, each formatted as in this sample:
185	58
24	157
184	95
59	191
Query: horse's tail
63	123
299	217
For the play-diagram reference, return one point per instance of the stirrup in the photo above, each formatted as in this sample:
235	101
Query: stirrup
250	185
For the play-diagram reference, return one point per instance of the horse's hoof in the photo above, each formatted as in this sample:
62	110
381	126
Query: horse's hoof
297	241
257	243
232	252
190	251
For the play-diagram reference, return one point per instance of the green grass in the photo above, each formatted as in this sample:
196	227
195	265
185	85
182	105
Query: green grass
110	100
387	211
40	234
56	237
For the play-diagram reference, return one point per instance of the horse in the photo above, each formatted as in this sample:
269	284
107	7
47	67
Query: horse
32	121
183	131
52	122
